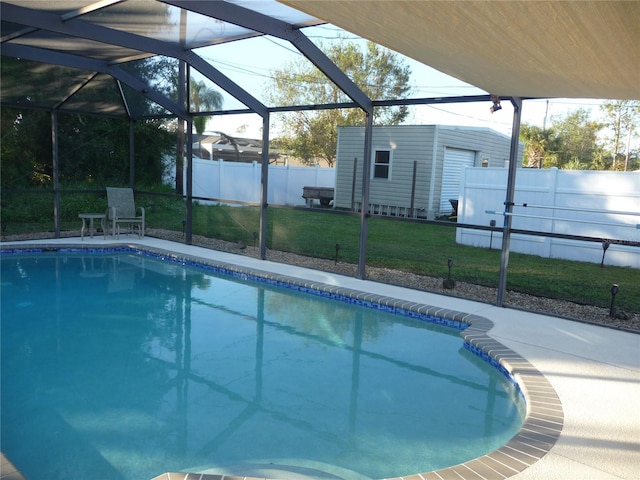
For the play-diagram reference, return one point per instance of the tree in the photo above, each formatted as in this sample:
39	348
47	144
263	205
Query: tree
575	139
312	135
203	98
572	141
538	145
92	149
574	164
622	118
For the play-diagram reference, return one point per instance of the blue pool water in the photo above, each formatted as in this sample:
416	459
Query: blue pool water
122	366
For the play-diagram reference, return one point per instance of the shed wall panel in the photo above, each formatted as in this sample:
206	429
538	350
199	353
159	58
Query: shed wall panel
455	160
409	144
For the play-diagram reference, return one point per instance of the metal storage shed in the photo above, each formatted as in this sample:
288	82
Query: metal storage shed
424	169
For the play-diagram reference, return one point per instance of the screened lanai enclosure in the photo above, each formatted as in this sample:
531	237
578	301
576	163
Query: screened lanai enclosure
113	93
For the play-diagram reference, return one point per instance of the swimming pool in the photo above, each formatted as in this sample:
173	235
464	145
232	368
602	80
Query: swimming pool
212	379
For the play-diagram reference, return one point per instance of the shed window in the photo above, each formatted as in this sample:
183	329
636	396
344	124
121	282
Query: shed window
382	164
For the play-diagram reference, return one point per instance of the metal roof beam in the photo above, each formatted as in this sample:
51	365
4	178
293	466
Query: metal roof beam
244	17
225	83
90	8
82	29
75	89
50	56
74	61
143	88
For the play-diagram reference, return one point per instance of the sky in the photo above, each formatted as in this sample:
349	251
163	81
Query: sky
250	62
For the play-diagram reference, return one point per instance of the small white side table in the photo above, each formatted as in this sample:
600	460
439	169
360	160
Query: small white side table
91	217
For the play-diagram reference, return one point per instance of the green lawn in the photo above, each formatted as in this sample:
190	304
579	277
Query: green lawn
423	249
413	247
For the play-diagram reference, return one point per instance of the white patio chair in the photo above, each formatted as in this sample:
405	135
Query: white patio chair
122	211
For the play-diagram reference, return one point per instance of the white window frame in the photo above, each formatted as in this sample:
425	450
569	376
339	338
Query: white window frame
374	164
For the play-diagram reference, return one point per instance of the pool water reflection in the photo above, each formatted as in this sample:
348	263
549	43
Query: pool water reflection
124	366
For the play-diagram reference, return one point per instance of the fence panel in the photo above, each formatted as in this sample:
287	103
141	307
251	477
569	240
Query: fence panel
585	203
241	181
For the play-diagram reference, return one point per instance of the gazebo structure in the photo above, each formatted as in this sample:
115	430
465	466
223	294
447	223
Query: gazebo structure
513	50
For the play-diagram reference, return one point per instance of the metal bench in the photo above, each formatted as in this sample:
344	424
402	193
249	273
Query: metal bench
323	194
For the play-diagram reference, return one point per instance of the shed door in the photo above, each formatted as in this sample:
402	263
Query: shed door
454	161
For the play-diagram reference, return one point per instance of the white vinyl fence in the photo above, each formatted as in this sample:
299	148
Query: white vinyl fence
585	203
233	181
573	202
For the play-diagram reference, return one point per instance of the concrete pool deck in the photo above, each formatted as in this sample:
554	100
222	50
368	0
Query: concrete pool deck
595	371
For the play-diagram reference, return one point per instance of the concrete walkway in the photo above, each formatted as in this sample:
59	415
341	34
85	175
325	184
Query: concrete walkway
594	370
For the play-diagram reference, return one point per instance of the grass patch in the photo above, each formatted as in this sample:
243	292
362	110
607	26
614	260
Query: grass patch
411	247
425	249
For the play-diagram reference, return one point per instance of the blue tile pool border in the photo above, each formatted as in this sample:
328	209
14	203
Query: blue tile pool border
544	415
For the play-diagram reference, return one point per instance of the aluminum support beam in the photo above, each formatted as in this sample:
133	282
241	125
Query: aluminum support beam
143	88
132	154
99	5
125	104
251	20
52	57
76	88
364	212
56	173
145	45
189	195
264	187
508	203
213	74
184	150
74	61
331	70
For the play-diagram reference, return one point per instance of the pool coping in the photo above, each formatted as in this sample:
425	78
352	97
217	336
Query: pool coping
544	415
